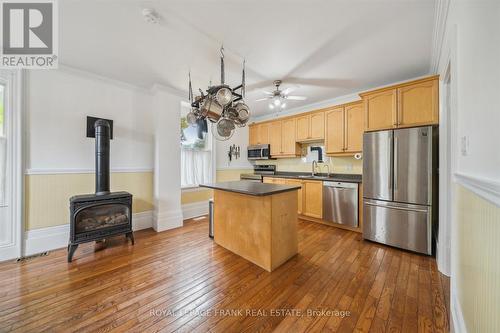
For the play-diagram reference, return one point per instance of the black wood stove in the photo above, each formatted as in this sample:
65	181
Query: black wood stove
95	217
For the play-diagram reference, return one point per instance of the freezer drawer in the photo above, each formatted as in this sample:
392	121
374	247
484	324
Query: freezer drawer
400	225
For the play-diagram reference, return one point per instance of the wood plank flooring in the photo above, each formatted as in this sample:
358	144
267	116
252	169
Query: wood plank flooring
179	280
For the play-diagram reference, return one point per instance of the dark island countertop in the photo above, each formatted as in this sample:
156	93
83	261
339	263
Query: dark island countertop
251	188
336	177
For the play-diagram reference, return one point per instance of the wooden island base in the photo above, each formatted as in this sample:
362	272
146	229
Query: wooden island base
261	229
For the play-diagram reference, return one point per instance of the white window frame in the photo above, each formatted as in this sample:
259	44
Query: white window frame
194	188
14	81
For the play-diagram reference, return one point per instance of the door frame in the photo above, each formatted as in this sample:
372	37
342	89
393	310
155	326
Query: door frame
15	82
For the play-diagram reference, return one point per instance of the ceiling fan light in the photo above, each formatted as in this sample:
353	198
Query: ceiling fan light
283	105
271	106
277	102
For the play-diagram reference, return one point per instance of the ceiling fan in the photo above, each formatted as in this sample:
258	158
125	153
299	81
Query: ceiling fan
279	97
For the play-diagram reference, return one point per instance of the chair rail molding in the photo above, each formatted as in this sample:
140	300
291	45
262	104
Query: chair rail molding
486	188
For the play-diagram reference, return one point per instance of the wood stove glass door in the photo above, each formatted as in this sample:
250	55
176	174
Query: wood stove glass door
10	223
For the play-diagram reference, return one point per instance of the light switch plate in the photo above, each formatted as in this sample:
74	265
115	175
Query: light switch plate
464	145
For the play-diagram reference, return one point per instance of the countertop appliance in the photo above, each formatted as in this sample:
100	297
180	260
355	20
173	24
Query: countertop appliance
259	152
400	187
340	203
258	172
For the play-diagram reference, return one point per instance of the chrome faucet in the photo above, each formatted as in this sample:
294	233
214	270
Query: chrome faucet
328	169
314	166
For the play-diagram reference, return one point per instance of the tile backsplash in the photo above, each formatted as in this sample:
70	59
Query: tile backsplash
347	164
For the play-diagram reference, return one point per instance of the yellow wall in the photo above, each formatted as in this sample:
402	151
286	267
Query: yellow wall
191	196
477	282
47	196
337	165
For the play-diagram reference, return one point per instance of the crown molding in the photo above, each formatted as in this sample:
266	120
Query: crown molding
440	18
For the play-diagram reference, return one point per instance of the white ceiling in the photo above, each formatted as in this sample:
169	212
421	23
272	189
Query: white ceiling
328	48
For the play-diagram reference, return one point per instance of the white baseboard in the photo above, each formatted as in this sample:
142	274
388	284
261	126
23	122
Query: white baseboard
194	209
457	318
167	220
51	238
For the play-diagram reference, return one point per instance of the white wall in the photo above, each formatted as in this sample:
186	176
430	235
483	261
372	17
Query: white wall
58	102
239	138
471	45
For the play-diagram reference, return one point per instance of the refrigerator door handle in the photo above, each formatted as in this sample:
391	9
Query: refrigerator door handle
390	153
397	207
395	162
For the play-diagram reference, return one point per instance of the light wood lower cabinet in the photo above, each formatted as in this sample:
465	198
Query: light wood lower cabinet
300	195
310	200
313	198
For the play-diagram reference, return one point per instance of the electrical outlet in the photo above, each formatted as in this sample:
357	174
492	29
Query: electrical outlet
464	145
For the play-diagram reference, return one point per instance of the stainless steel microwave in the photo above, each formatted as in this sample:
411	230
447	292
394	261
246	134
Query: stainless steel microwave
259	152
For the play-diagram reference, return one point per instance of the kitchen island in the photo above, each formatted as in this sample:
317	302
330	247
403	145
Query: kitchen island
256	221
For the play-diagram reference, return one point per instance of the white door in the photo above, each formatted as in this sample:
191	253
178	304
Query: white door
10	222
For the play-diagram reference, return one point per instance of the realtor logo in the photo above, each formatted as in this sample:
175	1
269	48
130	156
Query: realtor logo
29	34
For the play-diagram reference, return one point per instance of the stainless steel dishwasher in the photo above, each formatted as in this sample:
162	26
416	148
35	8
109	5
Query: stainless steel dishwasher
340	203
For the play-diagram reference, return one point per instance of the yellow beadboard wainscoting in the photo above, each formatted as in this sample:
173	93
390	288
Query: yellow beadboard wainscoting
337	165
47	195
477	284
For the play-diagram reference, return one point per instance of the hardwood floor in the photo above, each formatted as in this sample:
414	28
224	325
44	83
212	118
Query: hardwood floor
179	280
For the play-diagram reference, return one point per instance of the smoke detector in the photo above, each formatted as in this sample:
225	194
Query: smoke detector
151	16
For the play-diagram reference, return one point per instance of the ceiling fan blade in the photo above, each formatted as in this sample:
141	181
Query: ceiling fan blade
289	90
262	99
267	92
296	98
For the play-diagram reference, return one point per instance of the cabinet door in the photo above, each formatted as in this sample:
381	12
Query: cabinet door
275	138
380	110
313	199
299	193
302	128
418	104
288	144
253	135
317	126
353	128
263	130
335	131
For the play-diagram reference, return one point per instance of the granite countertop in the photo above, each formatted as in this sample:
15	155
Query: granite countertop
251	188
335	177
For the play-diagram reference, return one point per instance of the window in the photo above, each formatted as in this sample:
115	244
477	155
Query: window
196	153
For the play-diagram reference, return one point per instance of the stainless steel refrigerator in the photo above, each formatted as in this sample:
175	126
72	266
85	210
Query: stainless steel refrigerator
400	187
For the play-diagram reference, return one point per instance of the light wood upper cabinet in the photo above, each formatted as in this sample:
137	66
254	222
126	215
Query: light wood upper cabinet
408	104
252	135
317	127
334	140
380	110
302	128
289	146
353	130
418	104
313	198
310	127
275	138
258	134
263	130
